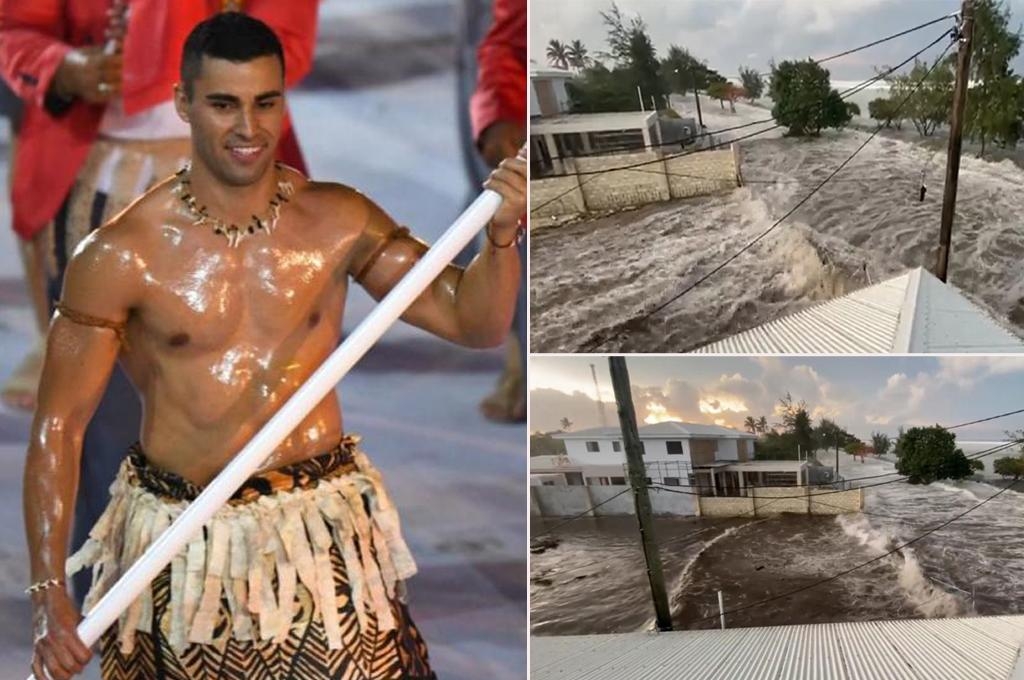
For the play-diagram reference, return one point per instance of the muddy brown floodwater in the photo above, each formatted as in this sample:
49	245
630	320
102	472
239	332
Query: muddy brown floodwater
594	581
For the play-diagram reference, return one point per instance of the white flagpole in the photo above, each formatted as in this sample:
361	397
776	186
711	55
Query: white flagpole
248	460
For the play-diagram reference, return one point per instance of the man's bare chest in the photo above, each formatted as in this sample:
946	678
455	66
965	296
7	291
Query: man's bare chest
258	293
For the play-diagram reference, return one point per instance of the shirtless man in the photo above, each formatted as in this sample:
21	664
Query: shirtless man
222	290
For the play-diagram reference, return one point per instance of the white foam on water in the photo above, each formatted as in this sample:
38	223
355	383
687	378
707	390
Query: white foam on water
955	488
684	576
928	598
864	226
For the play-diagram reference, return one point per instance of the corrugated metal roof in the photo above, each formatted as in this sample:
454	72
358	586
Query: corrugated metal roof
980	648
673	428
911	313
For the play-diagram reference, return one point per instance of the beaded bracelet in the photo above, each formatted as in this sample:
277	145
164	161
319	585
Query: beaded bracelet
40	586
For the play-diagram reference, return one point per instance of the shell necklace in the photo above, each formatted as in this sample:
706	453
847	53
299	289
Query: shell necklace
232	232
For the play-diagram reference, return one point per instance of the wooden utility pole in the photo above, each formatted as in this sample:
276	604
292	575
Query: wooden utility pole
638	480
956	125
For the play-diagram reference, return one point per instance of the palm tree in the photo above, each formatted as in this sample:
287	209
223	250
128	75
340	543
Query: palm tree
557	54
576	53
762	425
750	424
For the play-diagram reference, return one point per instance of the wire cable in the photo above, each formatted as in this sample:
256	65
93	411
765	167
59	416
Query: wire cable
862	564
844	94
586	512
590	347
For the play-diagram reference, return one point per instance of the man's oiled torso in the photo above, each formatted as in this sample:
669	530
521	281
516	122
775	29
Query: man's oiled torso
221	336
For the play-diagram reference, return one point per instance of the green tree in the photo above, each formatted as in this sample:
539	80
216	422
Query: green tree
880	443
897	448
577	56
684	72
750	425
926	95
884	111
762	425
599	89
828	435
804	101
1009	467
797	422
631	49
776	446
721	91
977	465
753	85
852	108
558	54
854	447
930	454
543	444
994	103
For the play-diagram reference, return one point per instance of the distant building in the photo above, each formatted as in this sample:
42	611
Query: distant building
548	93
718	461
587	134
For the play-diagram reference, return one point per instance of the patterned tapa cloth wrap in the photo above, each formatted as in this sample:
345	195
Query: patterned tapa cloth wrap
298	576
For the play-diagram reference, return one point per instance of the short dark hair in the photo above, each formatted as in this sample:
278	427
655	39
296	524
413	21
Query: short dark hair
232	36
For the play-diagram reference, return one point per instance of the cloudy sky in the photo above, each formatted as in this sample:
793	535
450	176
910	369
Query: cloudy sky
730	33
862	394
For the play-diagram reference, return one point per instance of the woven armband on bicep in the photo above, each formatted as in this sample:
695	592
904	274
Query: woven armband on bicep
96	322
399	234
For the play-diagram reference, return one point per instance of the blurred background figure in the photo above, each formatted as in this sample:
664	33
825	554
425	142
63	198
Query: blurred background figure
378	101
498	128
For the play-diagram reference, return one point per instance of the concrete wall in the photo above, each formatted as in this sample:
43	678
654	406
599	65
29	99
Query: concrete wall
569	201
624	188
836	503
553	501
764	501
726	507
660	179
563	501
698	174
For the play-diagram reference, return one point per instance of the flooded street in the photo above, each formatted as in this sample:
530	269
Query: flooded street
864	226
595	582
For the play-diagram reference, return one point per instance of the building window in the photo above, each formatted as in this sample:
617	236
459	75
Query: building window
618	481
617	447
593	447
672	481
675	448
617	140
597	481
780	479
547	483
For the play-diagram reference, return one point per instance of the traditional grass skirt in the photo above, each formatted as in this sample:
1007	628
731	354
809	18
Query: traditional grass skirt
298	576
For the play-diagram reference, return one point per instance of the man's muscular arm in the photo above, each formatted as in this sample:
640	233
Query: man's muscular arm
472	307
79	361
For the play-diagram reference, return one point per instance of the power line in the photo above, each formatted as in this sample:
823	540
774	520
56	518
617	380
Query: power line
985	420
886	39
974	456
770	229
862	564
588	511
844	94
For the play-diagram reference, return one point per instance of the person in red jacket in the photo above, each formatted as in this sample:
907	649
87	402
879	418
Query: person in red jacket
498	114
99	128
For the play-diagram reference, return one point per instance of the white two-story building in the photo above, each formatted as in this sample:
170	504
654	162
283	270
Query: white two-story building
716	460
